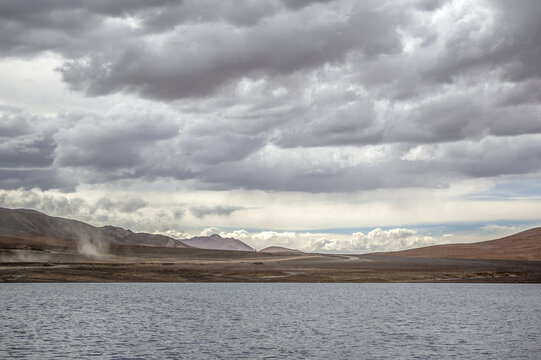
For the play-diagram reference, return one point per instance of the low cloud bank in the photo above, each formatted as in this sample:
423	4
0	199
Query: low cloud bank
358	242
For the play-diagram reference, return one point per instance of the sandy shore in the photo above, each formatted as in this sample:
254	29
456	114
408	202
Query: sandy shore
142	264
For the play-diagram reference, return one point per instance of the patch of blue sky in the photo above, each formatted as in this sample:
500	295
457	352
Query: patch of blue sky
457	228
512	188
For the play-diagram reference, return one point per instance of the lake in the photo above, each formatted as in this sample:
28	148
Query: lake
270	321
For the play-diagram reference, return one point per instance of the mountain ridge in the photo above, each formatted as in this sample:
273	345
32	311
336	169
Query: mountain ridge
27	229
30	227
27	223
216	242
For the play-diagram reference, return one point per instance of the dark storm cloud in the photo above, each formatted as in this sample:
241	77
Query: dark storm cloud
512	46
13	126
457	116
292	95
24	142
125	205
202	211
432	166
209	149
331	124
198	61
494	156
114	141
27	151
126	143
385	176
48	178
522	30
69	26
429	5
204	45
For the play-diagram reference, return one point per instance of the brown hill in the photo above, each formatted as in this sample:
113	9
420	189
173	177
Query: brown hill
280	249
216	242
34	229
525	245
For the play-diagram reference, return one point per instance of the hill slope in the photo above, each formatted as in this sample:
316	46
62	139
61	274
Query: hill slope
216	242
525	245
35	228
280	249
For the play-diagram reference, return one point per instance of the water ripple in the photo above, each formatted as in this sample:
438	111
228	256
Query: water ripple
269	321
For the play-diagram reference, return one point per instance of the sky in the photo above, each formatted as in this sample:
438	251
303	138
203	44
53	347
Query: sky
329	126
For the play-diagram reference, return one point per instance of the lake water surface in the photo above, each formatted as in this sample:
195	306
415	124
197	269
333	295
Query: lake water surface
270	321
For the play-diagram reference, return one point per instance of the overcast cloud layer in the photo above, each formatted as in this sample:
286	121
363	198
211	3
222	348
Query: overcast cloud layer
311	97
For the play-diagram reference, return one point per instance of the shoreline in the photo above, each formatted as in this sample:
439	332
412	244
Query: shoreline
242	267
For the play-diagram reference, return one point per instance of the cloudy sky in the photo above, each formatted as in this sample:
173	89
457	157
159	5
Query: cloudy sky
323	125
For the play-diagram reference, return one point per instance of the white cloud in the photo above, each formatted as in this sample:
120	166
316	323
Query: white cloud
209	231
275	114
358	242
498	228
379	240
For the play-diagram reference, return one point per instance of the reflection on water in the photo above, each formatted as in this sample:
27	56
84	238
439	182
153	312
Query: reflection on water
271	321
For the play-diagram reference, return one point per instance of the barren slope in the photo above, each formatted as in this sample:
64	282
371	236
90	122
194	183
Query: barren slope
525	245
36	227
280	249
216	242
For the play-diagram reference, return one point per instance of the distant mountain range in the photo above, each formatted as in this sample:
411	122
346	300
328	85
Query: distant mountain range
30	228
24	223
